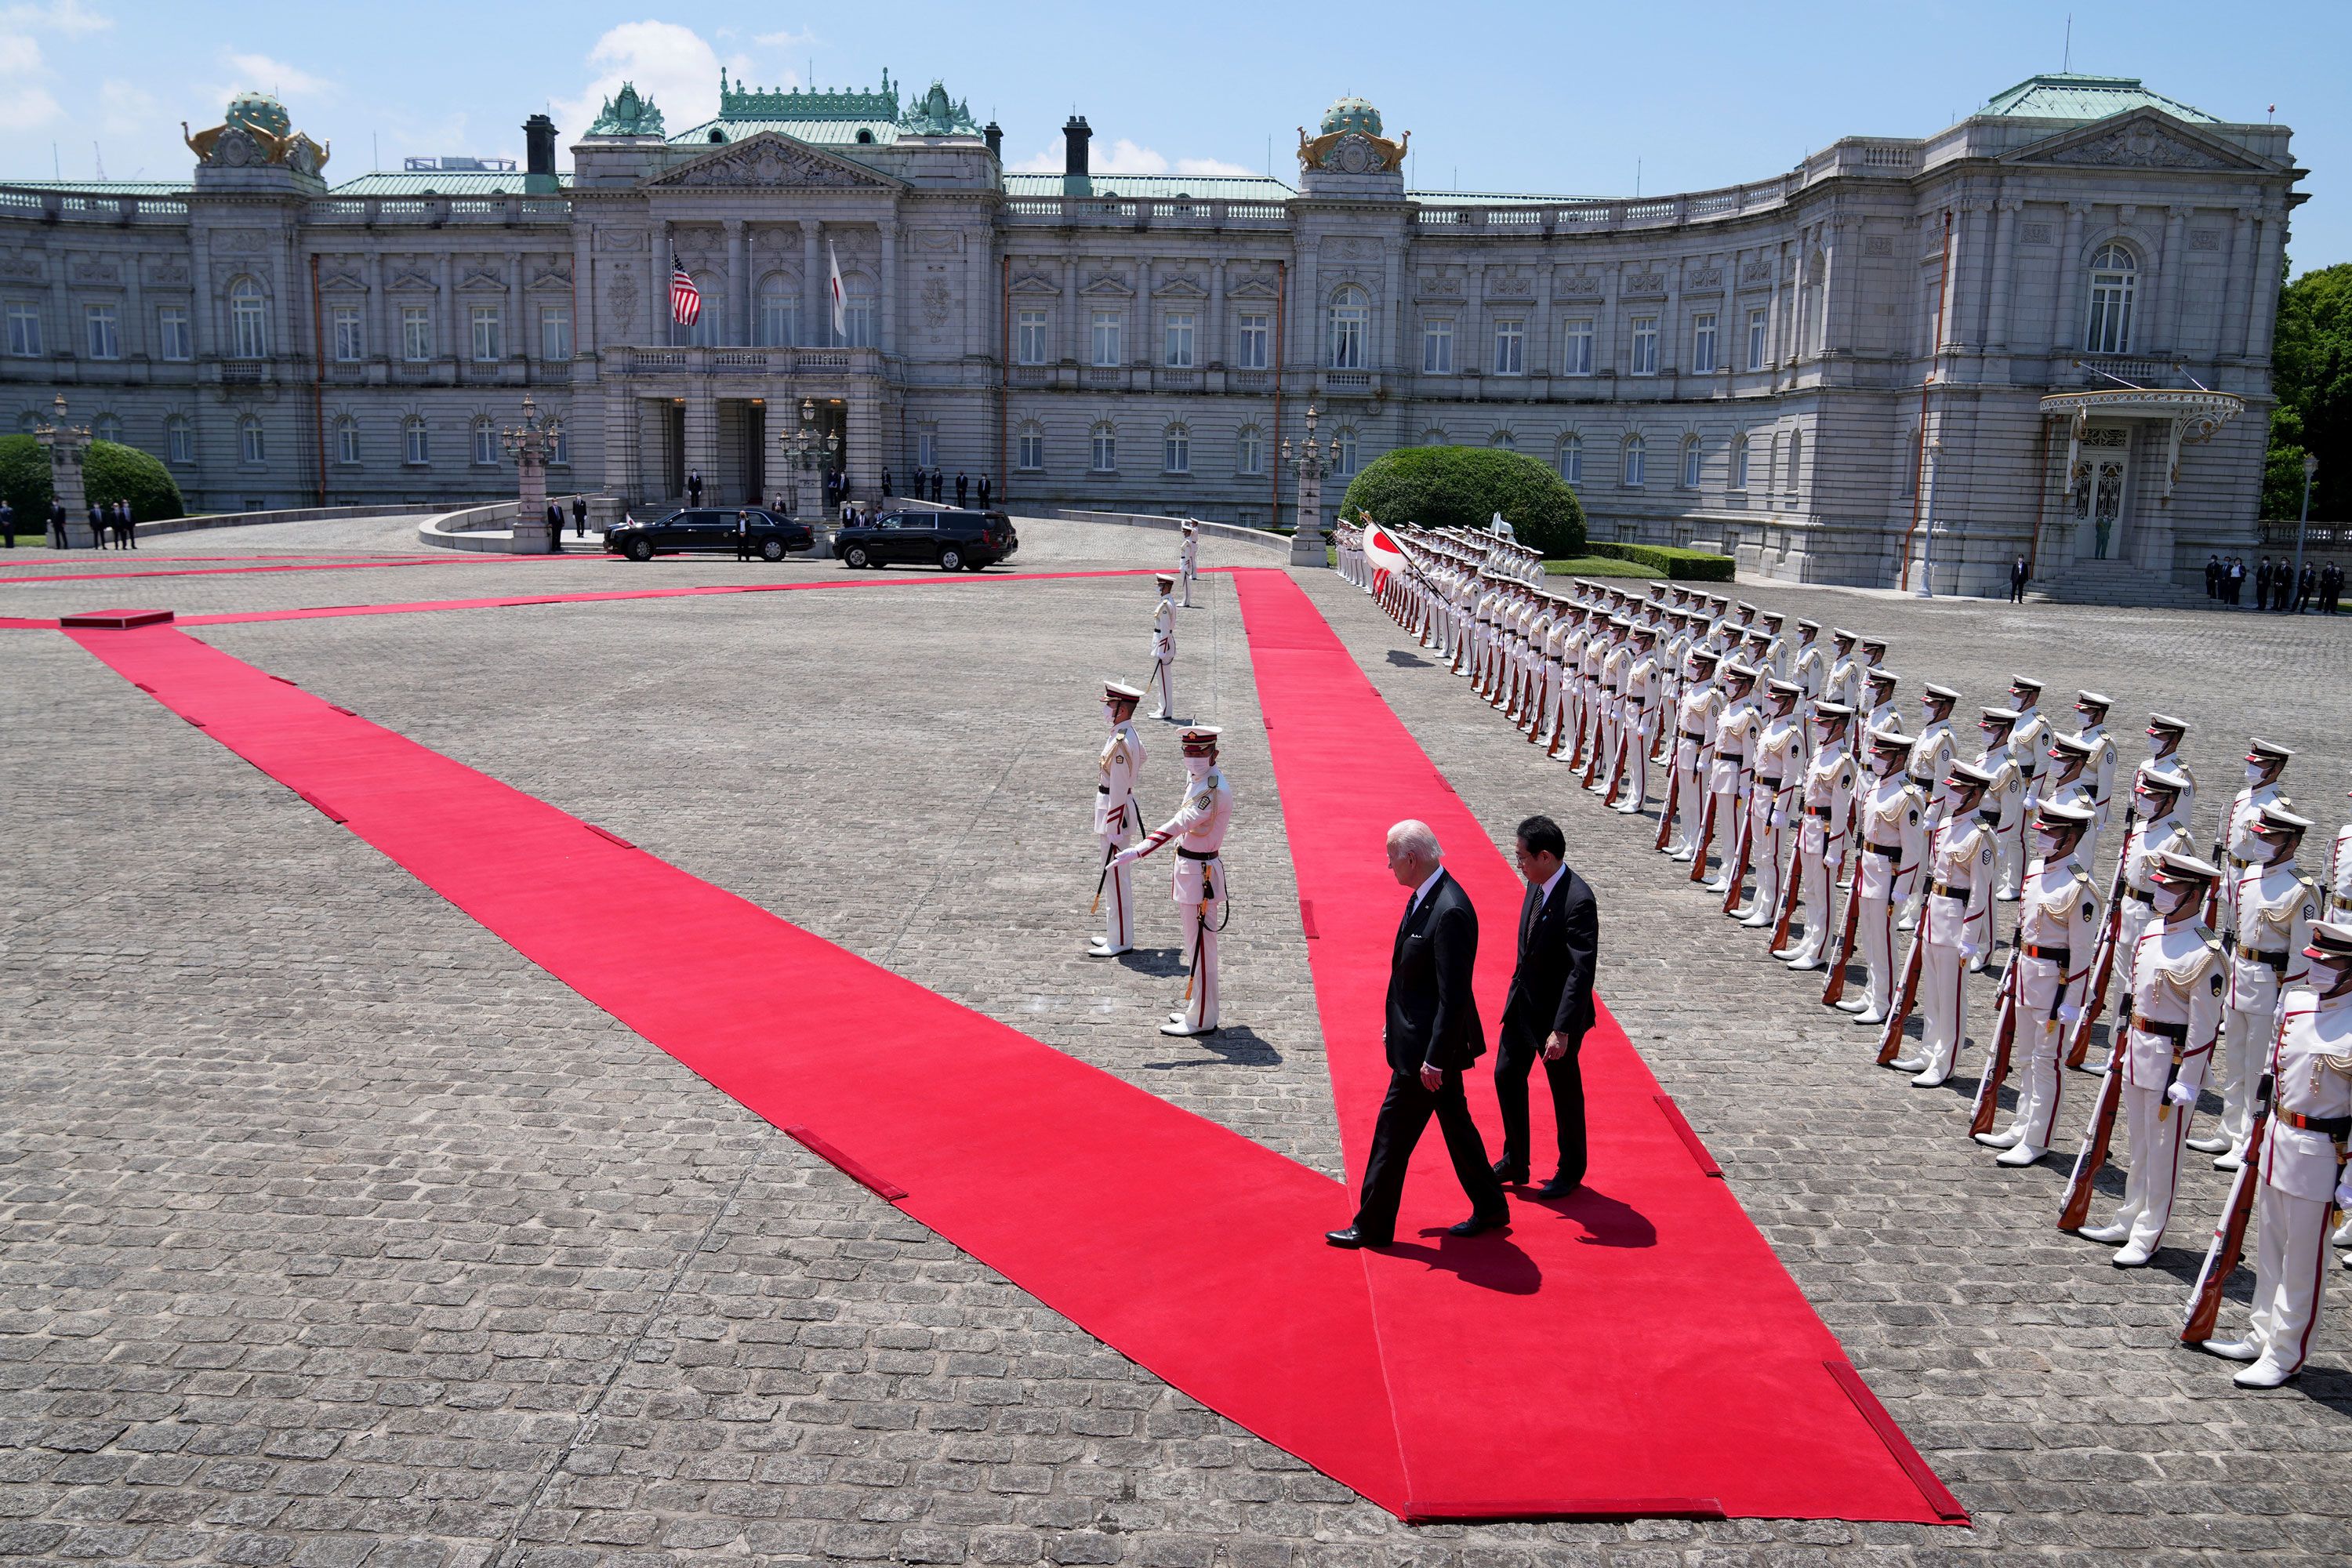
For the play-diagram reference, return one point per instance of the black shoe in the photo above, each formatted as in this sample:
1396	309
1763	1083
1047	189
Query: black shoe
1479	1223
1558	1187
1351	1237
1510	1174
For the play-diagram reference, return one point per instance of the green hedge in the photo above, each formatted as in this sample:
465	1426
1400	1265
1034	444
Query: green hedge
1668	560
1596	567
1464	487
110	472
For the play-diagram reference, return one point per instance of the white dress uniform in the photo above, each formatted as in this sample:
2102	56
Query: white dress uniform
2335	880
1198	830
1844	682
2057	925
2164	737
1891	840
1188	562
1828	800
2275	907
2006	796
2030	740
1644	691
1957	926
2145	840
2174	987
2302	1161
1162	683
2100	770
1736	730
1116	823
1695	719
2235	850
1779	776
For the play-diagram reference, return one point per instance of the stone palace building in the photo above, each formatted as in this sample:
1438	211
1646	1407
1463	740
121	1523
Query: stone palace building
2044	330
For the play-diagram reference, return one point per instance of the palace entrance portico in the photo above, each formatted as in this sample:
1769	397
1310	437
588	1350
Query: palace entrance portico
2123	450
719	411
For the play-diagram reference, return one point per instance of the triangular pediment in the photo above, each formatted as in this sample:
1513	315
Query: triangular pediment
1251	289
1182	289
772	161
2144	138
1107	287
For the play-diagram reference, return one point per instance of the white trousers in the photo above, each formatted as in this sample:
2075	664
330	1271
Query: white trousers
2291	1262
1164	687
1767	840
1873	933
2245	1046
1943	1004
2040	1041
1119	893
1689	804
2009	859
1816	889
1725	804
1201	959
1639	739
2156	1141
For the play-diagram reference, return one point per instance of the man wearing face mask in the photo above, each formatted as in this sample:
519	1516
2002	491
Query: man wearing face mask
1188	559
2336	884
1644	689
1956	925
1163	649
2165	734
2265	762
2172	1014
2004	796
2067	781
2030	740
2303	1174
1931	760
1780	770
1117	817
1879	712
1201	822
1695	719
1734	739
1844	682
1827	797
1891	837
2056	925
2276	905
2091	708
2154	827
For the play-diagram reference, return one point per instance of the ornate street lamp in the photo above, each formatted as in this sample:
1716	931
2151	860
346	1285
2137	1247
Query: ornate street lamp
1311	463
66	443
799	451
530	443
2310	468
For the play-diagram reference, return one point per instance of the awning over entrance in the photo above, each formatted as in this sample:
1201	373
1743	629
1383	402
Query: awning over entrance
2192	416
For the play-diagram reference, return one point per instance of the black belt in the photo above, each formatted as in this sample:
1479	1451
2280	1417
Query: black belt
1886	851
2176	1033
1185	854
1698	735
1824	812
1102	789
2136	896
2275	959
1946	890
2061	956
1768	784
2338	1127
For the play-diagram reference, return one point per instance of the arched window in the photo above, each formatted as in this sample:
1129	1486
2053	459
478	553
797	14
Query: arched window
1347	463
559	451
486	442
1503	441
1351	315
1740	463
1796	460
250	443
27	422
106	427
705	331
1635	455
780	310
347	440
2115	274
1106	449
180	440
858	314
1691	457
249	315
1176	450
415	448
1029	451
1571	459
1434	436
1249	450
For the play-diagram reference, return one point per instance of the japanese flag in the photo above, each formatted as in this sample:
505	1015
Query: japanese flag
1382	553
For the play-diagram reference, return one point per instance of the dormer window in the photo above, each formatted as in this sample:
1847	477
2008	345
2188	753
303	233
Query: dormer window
716	135
865	137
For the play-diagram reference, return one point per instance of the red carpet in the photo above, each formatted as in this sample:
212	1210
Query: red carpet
1640	1352
1637	1343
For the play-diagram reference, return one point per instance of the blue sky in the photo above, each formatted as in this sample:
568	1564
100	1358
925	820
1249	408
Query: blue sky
1554	99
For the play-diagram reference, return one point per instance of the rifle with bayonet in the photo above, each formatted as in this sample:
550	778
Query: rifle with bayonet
2103	960
2100	1133
2230	1231
2004	1038
1906	997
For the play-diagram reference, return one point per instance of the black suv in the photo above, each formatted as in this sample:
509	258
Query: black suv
708	528
950	541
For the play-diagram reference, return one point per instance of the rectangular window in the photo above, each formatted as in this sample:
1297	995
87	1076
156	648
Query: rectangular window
171	329
24	329
415	445
857	315
1756	340
778	319
1576	356
249	322
1105	339
560	452
1029	338
1106	452
1253	344
927	447
181	440
1032	451
1510	347
1176	451
249	438
1646	345
1690	465
351	345
1348	337
486	332
105	333
416	332
1179	341
1346	465
555	332
1249	452
1703	343
347	442
1437	346
1739	464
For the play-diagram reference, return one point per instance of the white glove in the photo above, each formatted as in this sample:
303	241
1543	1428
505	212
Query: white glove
2344	1193
1779	819
2180	1094
2068	1012
1126	858
1972	951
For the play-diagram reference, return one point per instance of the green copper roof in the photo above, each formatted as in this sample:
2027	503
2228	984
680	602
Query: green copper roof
817	133
1351	114
1159	187
2065	96
440	181
740	102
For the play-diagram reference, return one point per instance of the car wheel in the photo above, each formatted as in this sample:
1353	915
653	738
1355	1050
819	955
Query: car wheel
856	558
772	550
640	549
951	558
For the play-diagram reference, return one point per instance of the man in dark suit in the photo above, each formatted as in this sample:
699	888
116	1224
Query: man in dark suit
694	486
1432	1035
2018	577
579	517
1550	1006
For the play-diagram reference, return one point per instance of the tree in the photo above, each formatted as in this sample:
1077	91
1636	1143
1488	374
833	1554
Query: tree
110	472
1464	487
2311	373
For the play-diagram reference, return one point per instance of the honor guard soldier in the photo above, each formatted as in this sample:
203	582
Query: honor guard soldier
2303	1163
1163	649
1879	712
2030	742
1955	924
1199	829
2233	850
2058	920
1188	559
1779	776
1874	654
2336	885
1736	730
2276	905
1777	648
1891	840
2067	779
1827	801
1645	684
1931	760
2159	827
2005	795
2165	734
2091	708
1118	819
2170	1018
1845	670
1695	715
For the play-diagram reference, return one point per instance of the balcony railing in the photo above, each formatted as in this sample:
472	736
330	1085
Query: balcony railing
739	361
1438	217
1125	211
66	206
433	212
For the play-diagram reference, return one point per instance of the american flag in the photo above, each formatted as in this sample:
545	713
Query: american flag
685	298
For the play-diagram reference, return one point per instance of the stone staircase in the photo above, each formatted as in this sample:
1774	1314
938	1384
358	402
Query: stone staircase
2116	582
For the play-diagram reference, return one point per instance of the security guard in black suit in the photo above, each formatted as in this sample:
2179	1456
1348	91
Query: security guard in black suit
1550	1006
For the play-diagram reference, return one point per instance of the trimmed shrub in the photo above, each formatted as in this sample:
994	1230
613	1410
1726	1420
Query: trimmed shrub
1595	566
1670	561
1464	487
110	472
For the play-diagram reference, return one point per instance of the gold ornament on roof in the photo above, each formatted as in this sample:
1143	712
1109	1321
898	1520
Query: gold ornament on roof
256	132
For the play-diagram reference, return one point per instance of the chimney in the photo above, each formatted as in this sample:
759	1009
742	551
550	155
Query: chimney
1075	136
539	154
994	135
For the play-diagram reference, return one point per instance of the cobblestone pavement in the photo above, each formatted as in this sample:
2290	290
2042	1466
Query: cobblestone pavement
338	1233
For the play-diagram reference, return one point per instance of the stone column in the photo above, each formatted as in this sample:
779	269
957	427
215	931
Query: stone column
984	331
2262	287
1477	353
658	265
2230	341
1307	545
1146	349
1212	344
1075	347
1395	301
65	444
816	301
887	286
702	435
623	469
200	308
2066	329
2004	246
519	343
531	503
738	286
380	345
862	453
1306	317
1772	308
2174	265
1542	361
